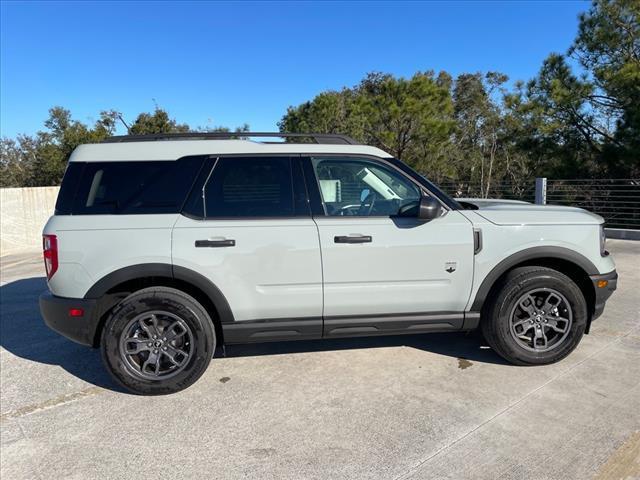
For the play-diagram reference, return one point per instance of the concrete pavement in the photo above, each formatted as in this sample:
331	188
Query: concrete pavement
427	406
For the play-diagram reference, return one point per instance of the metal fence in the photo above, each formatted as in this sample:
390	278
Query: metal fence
525	190
616	200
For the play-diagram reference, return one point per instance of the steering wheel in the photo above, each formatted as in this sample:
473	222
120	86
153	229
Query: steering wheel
349	210
365	210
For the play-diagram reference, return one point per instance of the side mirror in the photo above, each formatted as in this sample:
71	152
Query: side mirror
429	209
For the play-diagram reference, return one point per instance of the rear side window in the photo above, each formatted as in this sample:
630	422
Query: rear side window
129	188
250	187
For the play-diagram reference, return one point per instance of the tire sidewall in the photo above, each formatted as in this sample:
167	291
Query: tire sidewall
177	303
510	295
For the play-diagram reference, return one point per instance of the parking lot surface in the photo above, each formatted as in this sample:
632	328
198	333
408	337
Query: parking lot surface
408	407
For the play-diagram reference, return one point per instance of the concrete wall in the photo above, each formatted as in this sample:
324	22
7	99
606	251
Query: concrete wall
23	213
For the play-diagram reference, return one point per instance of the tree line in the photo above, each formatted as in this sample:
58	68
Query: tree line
40	159
578	118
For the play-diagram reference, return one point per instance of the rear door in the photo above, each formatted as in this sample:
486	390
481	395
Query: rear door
247	228
385	272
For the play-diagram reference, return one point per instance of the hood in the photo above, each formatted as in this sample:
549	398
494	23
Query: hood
515	212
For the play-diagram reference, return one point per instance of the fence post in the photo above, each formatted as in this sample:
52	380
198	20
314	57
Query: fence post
541	191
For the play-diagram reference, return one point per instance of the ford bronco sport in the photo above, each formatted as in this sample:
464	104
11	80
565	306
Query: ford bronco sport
163	247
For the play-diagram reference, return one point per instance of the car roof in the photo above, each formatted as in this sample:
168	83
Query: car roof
174	149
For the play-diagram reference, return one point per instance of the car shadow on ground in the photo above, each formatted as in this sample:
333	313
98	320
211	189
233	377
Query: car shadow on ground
24	334
463	345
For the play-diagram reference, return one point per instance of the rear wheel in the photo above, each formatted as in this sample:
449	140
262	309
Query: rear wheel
536	316
158	340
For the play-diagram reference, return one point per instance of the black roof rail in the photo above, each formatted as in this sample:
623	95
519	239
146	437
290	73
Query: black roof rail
322	138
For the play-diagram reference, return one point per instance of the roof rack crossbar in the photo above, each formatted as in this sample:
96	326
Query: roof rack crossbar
321	138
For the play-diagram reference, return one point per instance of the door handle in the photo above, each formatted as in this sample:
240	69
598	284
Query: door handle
352	239
215	243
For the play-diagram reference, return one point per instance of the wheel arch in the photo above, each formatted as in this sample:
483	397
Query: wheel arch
115	286
569	262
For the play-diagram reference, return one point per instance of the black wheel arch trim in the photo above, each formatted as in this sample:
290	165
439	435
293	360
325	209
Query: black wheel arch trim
209	288
132	272
528	254
163	270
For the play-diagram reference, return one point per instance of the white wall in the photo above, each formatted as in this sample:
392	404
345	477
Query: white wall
23	213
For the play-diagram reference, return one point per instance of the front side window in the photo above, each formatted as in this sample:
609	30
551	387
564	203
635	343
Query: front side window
250	187
355	187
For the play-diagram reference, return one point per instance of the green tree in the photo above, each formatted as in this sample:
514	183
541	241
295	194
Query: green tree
42	158
608	47
587	122
61	137
409	118
156	122
484	152
329	112
220	129
16	161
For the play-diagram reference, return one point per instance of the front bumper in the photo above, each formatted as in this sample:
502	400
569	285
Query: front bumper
55	312
604	285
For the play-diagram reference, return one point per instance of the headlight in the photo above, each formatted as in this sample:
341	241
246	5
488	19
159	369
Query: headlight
603	241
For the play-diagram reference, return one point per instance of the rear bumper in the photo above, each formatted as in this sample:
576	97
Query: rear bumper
55	312
603	291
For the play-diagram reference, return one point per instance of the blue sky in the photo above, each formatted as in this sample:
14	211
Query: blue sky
228	63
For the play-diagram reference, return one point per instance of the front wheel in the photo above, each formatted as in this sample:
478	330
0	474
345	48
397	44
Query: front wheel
157	341
537	316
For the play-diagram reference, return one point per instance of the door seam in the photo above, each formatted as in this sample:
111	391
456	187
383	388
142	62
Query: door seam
321	272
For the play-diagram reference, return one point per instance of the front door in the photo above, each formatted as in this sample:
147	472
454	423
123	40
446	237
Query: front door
384	270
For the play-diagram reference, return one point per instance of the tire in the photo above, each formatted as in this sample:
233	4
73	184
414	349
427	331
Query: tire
516	305
157	341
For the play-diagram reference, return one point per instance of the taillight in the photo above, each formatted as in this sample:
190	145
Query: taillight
50	253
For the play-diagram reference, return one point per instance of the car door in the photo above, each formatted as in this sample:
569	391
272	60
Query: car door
247	228
384	270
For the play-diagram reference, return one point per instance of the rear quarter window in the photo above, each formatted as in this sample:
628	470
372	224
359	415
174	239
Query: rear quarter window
68	188
130	188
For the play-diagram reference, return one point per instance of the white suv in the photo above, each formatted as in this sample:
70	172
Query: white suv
162	247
